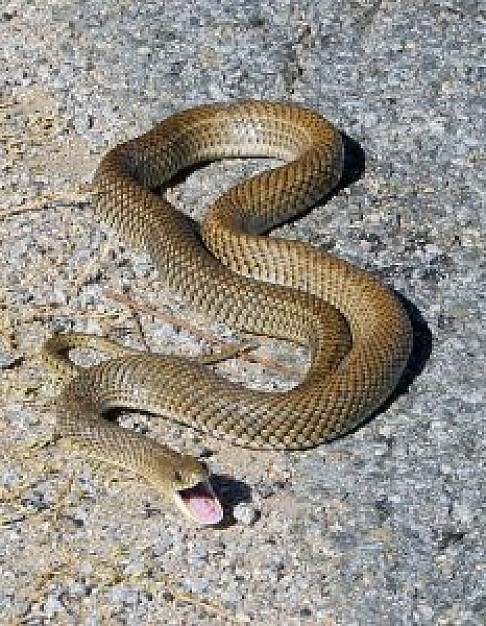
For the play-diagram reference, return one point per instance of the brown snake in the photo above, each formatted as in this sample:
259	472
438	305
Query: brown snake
357	331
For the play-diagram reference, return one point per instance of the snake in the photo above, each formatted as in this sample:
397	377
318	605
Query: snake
356	329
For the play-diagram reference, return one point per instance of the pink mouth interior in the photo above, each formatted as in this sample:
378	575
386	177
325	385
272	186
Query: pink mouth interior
202	504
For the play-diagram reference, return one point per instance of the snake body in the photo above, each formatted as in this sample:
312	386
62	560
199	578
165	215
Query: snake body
357	331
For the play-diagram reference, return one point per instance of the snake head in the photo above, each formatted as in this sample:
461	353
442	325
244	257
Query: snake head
192	491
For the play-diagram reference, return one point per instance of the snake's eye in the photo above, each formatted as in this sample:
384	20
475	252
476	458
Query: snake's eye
178	476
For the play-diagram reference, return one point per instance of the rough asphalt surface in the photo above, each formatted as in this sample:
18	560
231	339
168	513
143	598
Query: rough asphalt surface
382	527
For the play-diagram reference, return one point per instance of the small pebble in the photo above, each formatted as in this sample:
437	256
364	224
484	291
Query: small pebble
246	514
52	606
6	361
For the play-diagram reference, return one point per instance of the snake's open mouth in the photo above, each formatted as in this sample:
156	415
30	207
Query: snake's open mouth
200	503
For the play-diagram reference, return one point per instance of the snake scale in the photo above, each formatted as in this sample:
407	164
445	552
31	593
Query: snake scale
358	333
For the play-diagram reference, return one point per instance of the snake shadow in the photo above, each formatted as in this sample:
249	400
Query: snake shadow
231	493
354	163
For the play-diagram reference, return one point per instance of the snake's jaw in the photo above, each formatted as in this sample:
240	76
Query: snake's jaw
199	503
191	490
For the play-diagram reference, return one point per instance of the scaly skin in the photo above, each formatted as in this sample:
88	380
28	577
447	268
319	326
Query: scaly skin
359	335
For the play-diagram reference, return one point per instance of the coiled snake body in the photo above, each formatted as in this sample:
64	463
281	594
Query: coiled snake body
357	331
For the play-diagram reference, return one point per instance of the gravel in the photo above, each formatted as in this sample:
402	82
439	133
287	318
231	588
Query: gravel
382	527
